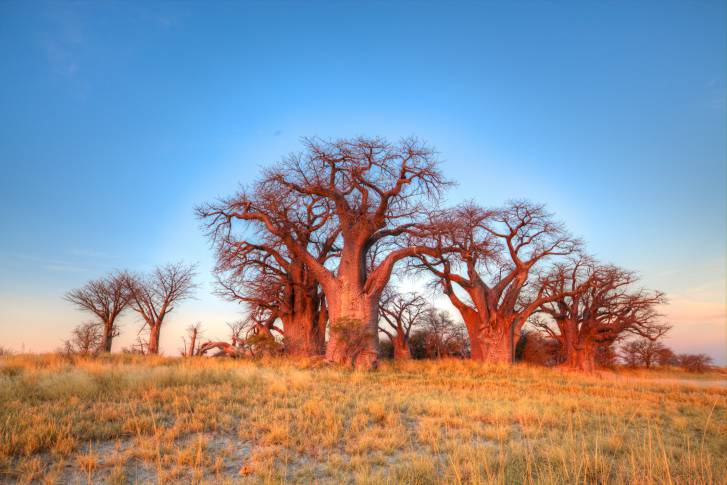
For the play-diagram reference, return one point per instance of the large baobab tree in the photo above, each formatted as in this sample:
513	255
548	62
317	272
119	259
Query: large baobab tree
154	296
401	312
592	305
484	260
364	191
106	298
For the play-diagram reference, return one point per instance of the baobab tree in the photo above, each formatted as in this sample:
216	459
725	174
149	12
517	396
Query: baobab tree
401	312
484	258
695	362
154	296
106	298
259	271
363	192
86	339
594	305
644	351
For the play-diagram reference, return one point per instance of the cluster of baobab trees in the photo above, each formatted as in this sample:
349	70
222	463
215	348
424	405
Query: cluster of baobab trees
312	245
652	353
152	296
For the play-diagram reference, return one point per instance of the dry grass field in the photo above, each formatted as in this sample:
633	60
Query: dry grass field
128	419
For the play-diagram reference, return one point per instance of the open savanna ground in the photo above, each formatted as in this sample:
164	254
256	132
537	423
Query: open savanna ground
128	419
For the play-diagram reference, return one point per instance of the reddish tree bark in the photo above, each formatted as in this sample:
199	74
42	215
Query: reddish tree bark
489	255
154	296
400	314
592	306
259	270
106	298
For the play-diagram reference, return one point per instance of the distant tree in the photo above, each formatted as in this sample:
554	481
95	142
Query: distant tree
106	298
190	343
386	349
490	255
643	352
154	296
86	339
630	353
238	330
695	362
439	336
370	190
666	357
593	306
400	313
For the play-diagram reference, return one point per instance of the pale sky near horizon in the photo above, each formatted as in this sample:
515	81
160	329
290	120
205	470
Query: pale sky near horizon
118	118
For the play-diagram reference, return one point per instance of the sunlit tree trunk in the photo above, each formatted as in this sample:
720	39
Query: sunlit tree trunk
401	346
354	317
154	332
108	335
303	335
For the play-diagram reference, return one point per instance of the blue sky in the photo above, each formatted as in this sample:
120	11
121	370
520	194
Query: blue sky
118	118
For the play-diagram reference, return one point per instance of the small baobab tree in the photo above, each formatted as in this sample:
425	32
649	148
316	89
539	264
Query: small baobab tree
106	298
484	260
401	312
155	295
642	352
694	362
593	306
361	192
666	357
86	339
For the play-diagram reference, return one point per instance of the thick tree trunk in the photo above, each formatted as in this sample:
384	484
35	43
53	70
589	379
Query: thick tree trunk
579	352
108	336
581	357
401	347
476	348
354	336
497	348
154	332
352	311
585	358
492	341
302	334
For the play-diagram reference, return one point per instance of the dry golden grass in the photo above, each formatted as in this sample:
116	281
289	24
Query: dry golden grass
124	419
